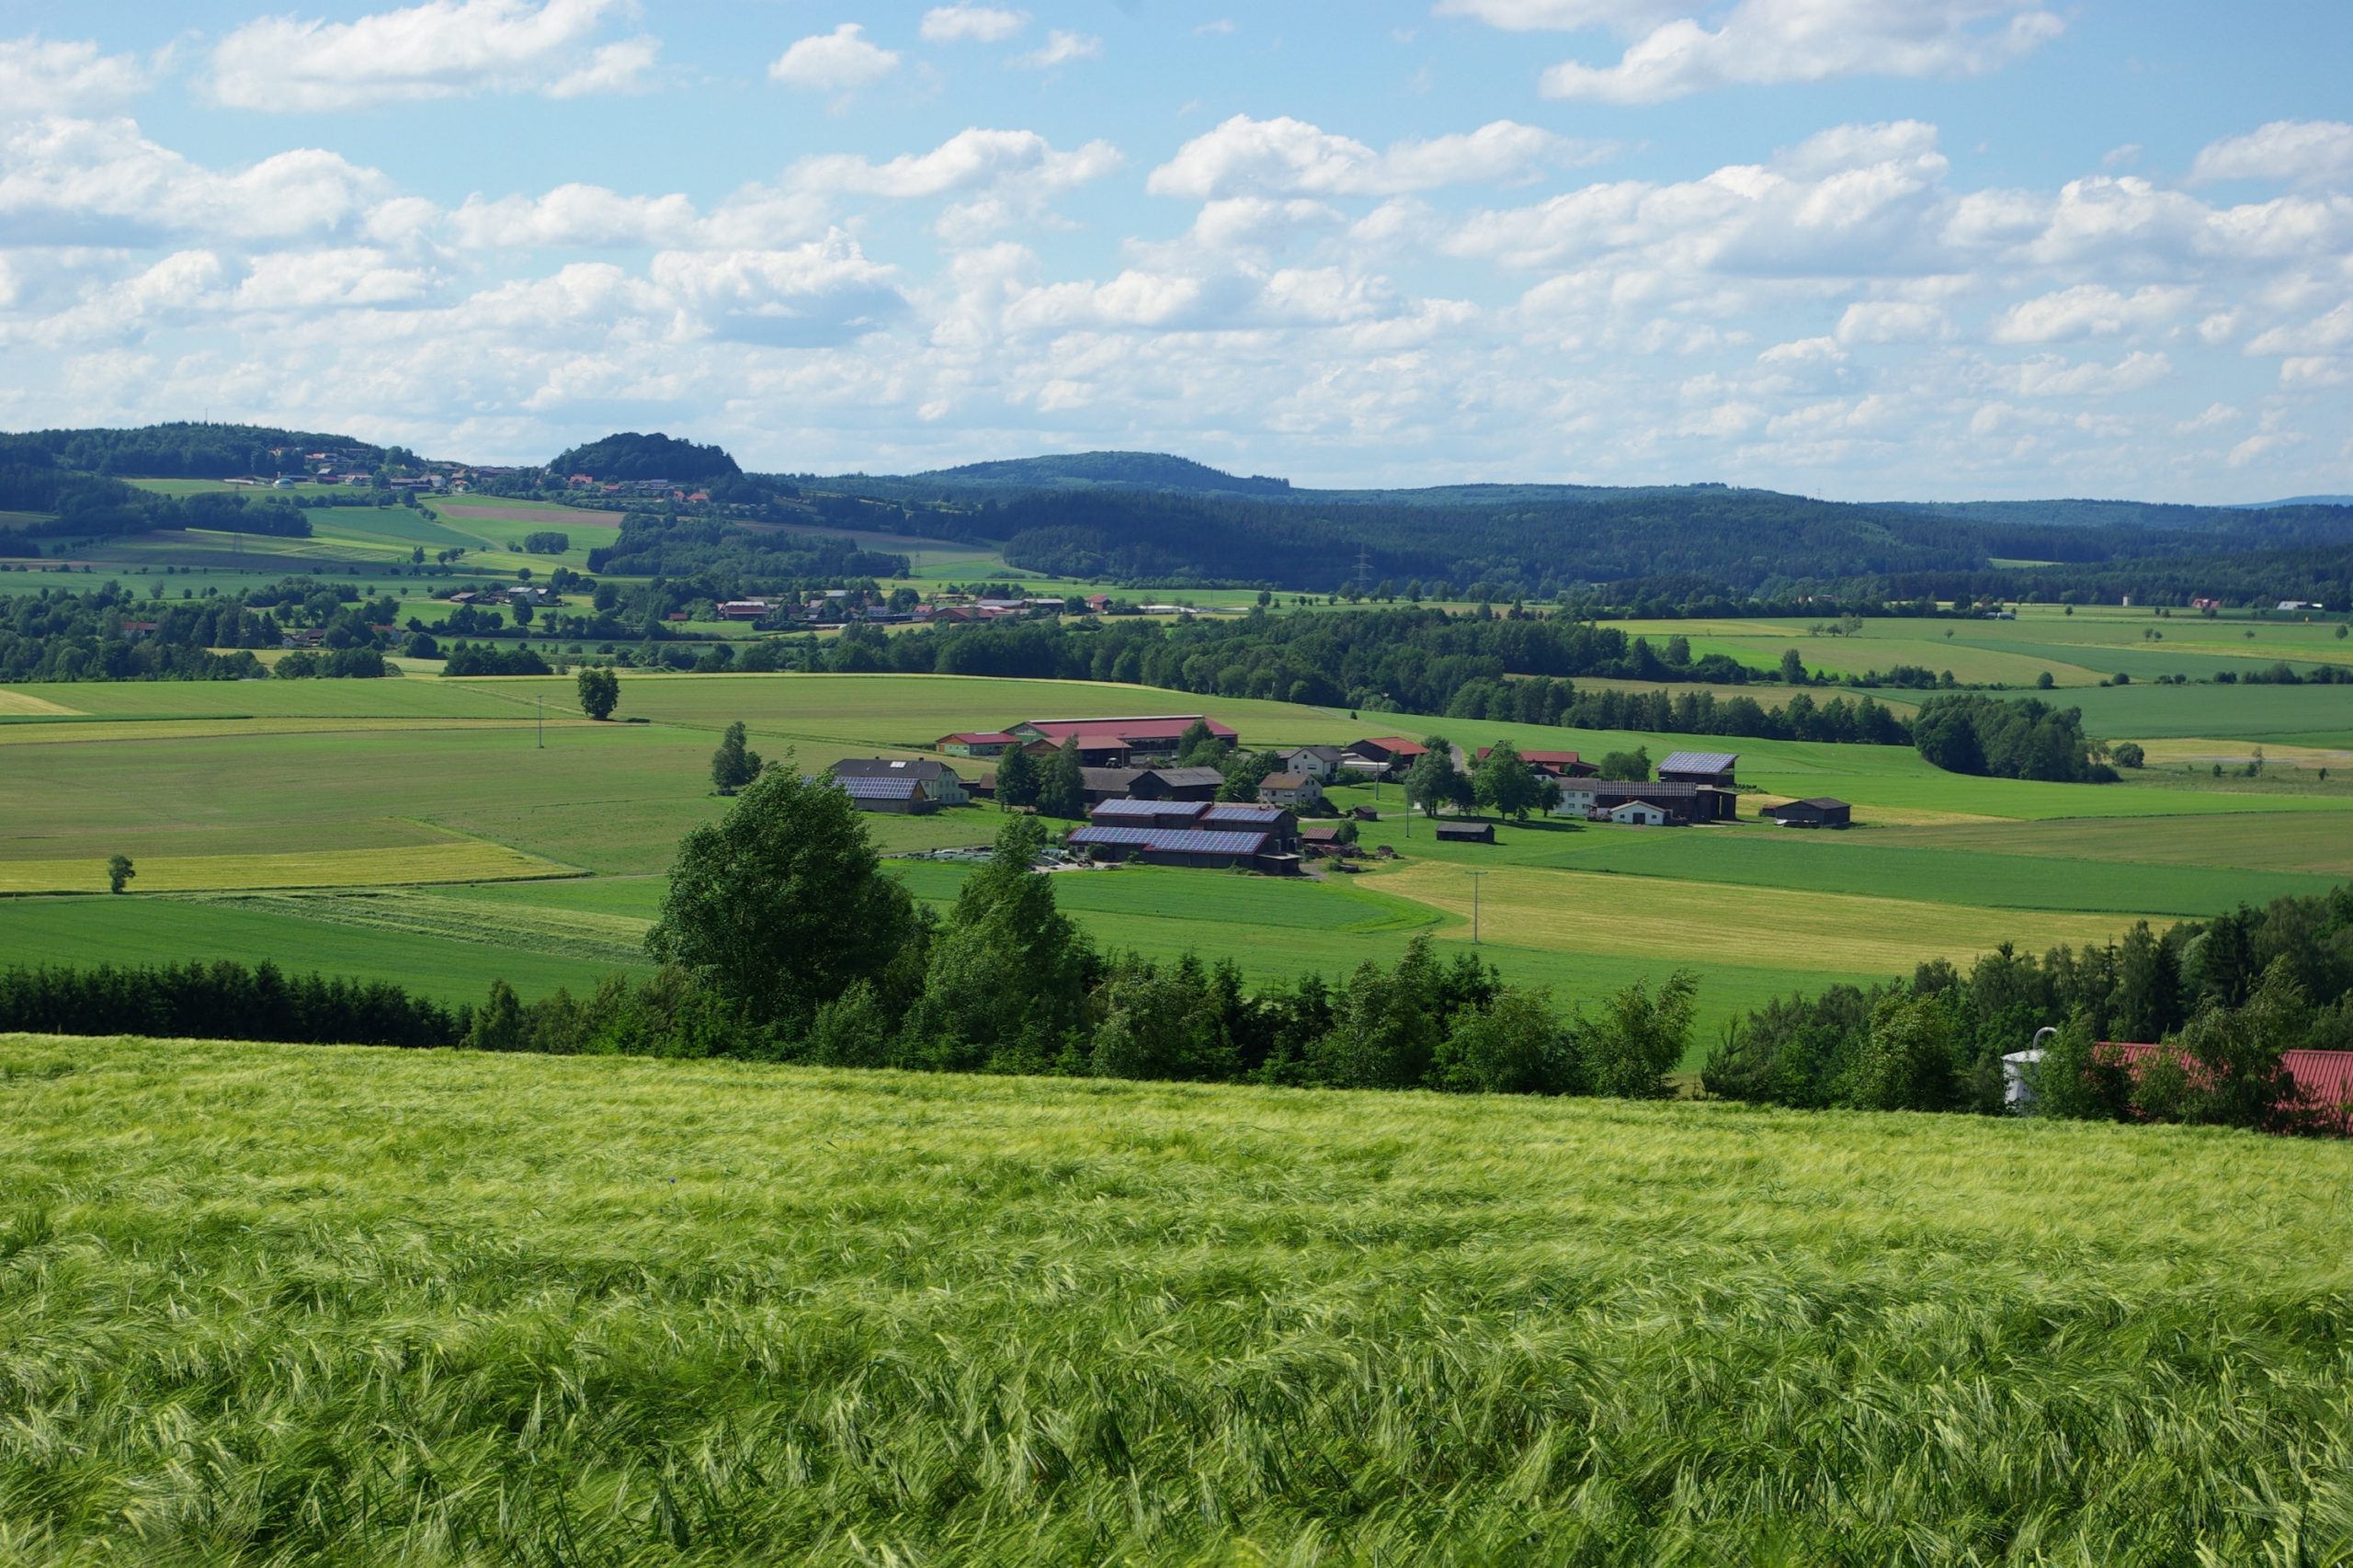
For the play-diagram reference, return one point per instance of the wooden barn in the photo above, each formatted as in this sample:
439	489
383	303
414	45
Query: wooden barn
1819	812
1466	832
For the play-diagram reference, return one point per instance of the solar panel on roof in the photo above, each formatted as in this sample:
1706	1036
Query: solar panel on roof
1174	840
864	789
1699	762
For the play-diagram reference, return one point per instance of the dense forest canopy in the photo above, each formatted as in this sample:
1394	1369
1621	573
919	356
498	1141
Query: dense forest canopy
182	450
629	455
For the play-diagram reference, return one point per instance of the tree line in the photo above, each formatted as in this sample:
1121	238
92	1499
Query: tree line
2228	996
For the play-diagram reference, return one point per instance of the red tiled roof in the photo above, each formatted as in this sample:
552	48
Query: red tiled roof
1397	745
1126	727
2324	1078
976	737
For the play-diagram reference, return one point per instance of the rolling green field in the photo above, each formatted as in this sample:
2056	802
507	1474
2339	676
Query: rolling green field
298	1304
296	820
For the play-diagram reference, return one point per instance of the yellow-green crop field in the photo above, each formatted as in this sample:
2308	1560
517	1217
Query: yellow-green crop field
339	799
368	1307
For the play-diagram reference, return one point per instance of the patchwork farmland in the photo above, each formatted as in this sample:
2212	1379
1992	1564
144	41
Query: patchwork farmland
321	793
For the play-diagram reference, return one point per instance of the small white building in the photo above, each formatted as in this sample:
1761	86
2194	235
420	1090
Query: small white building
1318	763
1637	814
1577	799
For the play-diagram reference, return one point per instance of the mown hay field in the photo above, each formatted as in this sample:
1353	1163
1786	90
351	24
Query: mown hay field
319	1305
443	860
1680	922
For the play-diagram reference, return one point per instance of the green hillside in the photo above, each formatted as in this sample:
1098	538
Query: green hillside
306	1305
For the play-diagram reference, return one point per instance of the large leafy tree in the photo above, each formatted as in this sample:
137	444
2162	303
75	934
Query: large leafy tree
781	905
1502	782
1062	784
1017	780
1008	976
600	688
1434	781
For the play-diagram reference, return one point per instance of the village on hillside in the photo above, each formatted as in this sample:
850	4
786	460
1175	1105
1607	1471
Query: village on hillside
1147	794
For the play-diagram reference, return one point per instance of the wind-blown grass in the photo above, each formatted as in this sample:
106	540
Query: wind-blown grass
310	1305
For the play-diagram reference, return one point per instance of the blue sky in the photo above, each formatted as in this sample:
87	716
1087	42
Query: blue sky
1931	248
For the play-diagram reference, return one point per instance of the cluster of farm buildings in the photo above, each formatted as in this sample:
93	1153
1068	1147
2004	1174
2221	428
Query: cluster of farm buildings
1143	805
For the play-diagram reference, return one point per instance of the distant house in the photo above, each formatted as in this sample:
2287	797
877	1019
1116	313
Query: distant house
1153	735
1096	603
1592	800
1320	835
1147	814
1819	812
1319	763
2205	604
1554	764
745	609
977	743
900	797
940	780
1711	767
1641	813
1466	833
1291	790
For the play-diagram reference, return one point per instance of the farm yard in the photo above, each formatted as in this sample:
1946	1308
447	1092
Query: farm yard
437	1308
337	799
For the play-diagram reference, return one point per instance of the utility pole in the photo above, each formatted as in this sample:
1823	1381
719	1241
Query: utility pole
1474	906
543	723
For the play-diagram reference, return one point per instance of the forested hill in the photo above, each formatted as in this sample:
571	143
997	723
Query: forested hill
1662	543
1117	471
181	451
628	455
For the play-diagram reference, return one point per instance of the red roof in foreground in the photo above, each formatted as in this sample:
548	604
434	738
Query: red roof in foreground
1397	745
2323	1079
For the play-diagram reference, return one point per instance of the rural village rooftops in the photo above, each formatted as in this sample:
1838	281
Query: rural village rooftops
926	769
1130	728
1284	781
978	738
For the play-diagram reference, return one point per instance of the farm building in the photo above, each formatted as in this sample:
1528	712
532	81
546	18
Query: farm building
1466	833
1176	784
1146	813
745	609
899	797
1326	835
1319	763
1108	783
1819	812
1711	767
1280	825
1152	735
977	743
1587	798
940	780
1641	814
1290	789
1204	849
1554	764
1389	752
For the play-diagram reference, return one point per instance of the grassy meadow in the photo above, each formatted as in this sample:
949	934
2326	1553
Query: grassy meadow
298	1305
407	829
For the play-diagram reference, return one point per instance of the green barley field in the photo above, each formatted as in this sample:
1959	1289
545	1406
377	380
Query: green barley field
319	1305
374	827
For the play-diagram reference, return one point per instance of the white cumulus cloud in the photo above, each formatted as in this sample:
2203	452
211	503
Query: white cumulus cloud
1062	48
1763	42
838	62
2090	309
2287	151
41	75
442	48
972	24
1291	157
